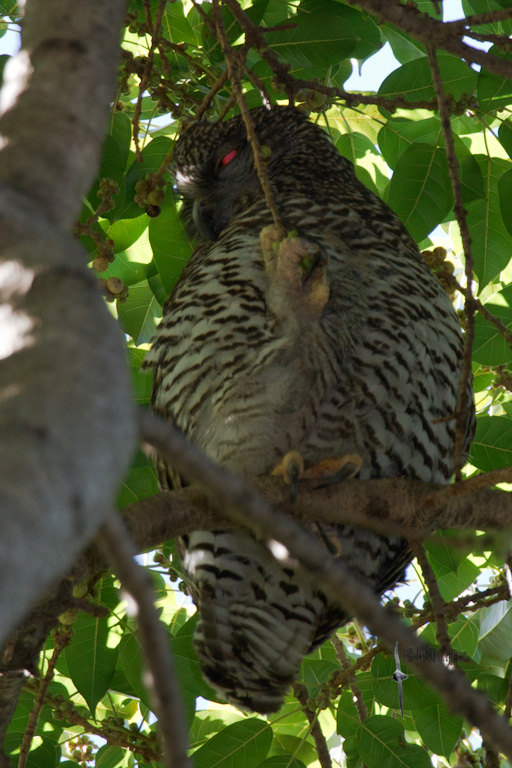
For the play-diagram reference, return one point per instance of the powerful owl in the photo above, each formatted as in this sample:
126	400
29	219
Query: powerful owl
334	342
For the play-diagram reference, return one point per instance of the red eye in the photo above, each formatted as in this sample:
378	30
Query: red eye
229	157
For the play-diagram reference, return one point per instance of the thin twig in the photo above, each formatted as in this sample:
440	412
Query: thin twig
463	401
62	639
346	664
155	642
301	693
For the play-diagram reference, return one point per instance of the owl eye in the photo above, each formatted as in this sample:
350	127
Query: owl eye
229	157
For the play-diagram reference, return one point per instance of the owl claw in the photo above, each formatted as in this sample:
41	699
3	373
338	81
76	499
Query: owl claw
291	469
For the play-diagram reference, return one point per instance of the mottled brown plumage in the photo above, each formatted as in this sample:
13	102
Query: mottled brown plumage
250	367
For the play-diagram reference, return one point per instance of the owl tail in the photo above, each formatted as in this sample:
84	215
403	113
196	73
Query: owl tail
257	619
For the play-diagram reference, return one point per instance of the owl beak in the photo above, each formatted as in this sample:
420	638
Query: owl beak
210	219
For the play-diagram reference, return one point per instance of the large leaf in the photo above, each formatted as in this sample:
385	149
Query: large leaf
171	247
492	244
413	80
419	191
318	40
398	135
140	312
365	32
382	745
89	659
494	91
438	727
244	743
489	345
492	447
496	631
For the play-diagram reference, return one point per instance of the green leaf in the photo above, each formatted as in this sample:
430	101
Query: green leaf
318	40
405	48
453	569
505	195
398	135
281	761
130	665
413	80
489	346
109	757
419	191
494	91
496	631
492	447
90	662
139	483
491	241
189	673
438	727
47	723
316	672
47	755
365	32
347	718
382	744
171	247
120	128
244	743
484	6
139	313
125	232
505	136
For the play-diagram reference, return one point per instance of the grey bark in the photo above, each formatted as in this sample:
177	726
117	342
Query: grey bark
67	427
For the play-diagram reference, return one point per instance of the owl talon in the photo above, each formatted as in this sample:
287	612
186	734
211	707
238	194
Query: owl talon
291	469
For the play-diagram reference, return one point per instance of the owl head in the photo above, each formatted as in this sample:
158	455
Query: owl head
214	164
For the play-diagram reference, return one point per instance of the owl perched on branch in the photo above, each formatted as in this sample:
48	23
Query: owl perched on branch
335	348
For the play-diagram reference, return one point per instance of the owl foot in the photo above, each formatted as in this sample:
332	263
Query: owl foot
330	471
299	266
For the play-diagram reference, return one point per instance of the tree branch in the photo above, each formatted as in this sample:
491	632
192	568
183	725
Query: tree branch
66	413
